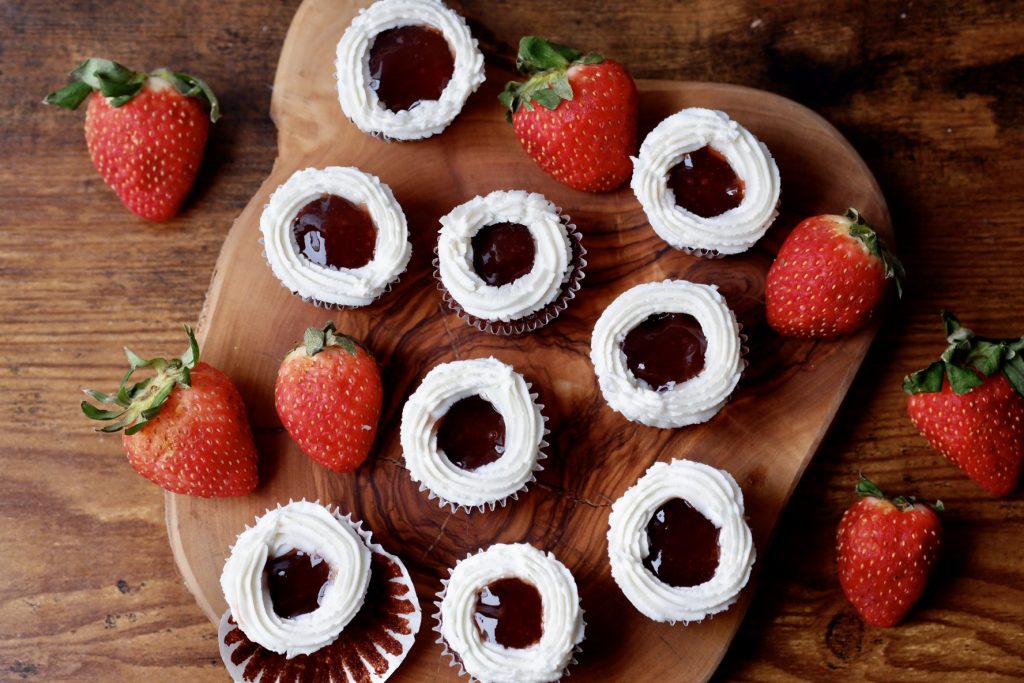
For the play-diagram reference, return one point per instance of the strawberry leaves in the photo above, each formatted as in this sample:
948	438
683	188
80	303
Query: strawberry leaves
891	265
968	360
317	339
547	64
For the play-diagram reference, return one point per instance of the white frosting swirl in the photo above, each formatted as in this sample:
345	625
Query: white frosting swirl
686	131
525	295
562	618
338	286
699	398
312	529
711	492
510	395
359	101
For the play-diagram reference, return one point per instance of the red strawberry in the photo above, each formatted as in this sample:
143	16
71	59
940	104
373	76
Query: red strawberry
885	551
185	428
145	133
576	116
969	405
328	396
829	277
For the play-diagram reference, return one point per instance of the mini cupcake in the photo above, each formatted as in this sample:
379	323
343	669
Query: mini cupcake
472	434
335	236
707	185
311	598
510	613
679	546
509	262
667	354
406	67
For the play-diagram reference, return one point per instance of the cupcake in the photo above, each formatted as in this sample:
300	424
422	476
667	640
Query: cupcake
472	434
667	354
679	546
311	597
508	262
335	236
707	185
510	613
406	67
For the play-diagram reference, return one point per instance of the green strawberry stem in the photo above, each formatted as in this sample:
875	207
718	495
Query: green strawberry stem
140	402
968	360
120	85
316	339
868	489
865	233
547	64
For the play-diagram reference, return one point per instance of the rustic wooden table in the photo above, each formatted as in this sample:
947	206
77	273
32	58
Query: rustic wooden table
932	94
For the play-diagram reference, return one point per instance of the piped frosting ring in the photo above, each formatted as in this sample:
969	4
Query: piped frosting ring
731	232
552	262
562	618
713	493
693	401
493	482
359	100
312	529
336	286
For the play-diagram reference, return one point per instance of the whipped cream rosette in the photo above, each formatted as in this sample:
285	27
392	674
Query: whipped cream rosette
674	404
509	262
320	282
687	132
710	492
367	613
360	86
510	613
472	434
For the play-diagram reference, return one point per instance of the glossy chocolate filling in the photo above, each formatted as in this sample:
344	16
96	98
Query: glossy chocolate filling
705	184
335	233
410	64
503	253
296	582
665	349
509	612
472	433
683	545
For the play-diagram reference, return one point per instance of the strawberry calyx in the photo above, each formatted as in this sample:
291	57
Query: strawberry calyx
547	64
316	339
120	85
892	267
968	360
140	402
868	489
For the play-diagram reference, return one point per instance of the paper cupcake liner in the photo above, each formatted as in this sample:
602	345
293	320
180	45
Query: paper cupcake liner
492	505
323	304
538	319
455	661
370	648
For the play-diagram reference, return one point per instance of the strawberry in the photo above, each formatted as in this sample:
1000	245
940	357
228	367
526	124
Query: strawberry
185	428
969	405
145	132
885	550
576	116
328	396
829	277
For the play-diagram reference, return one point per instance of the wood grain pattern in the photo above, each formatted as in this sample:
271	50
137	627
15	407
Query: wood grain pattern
931	95
764	437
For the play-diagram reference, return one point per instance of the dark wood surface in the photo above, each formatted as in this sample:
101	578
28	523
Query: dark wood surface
932	96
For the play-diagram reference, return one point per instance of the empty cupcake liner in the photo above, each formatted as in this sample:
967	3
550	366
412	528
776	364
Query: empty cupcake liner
538	319
370	648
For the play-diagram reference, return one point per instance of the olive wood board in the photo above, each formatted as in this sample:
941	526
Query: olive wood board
765	436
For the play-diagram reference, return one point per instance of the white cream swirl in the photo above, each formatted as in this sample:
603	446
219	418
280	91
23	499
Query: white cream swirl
711	492
359	100
533	291
312	529
562	617
699	398
686	131
510	395
338	286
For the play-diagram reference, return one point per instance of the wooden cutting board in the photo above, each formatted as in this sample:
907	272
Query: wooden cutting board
765	436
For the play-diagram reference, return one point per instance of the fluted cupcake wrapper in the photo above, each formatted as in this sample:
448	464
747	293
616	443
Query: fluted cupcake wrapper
538	319
370	648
